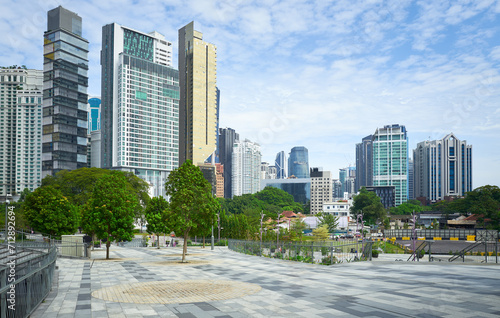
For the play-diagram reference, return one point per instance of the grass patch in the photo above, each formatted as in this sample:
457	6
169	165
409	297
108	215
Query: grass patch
388	248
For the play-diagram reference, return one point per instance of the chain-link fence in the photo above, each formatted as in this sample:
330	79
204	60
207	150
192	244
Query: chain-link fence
326	253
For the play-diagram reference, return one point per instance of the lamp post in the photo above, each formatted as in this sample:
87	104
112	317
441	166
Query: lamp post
261	218
278	233
360	216
218	223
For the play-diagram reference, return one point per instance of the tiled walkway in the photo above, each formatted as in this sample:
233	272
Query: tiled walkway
277	288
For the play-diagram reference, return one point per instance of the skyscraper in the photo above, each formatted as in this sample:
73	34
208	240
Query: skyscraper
364	163
442	168
65	68
298	163
281	165
94	114
227	138
140	105
246	167
20	129
198	109
390	160
321	189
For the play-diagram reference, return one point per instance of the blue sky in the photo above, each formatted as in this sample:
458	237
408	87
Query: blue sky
320	74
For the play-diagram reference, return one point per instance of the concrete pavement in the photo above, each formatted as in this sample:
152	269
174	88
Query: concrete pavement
146	282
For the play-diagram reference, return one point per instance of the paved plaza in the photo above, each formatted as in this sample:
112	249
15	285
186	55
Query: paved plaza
146	282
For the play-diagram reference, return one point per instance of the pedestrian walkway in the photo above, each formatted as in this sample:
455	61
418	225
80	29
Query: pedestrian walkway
147	282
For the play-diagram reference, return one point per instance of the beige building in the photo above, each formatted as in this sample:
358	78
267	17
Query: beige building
198	96
321	189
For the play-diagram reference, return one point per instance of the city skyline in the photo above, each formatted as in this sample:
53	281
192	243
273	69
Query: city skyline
326	74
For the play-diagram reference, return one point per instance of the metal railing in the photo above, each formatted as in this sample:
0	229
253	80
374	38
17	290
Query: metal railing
25	278
429	234
326	253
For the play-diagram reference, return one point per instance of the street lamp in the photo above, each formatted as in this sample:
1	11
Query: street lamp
278	234
261	218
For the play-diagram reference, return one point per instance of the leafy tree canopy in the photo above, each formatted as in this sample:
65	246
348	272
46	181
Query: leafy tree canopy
368	203
485	201
49	212
110	210
329	220
156	217
77	185
321	233
408	208
192	204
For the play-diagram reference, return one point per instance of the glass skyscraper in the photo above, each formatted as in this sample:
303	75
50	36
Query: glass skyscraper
298	163
390	160
364	163
94	117
65	68
227	138
281	165
140	105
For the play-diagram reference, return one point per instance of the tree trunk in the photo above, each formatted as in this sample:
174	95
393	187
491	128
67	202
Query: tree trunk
108	243
158	240
203	241
184	248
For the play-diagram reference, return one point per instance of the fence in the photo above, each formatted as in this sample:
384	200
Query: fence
25	278
326	253
451	234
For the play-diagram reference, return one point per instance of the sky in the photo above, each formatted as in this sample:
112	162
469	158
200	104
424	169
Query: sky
320	74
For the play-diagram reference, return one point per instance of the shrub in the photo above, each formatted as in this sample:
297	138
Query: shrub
375	253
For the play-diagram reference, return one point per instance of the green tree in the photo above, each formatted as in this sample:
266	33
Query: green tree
191	201
408	208
329	220
49	212
110	210
156	217
298	227
484	202
368	203
321	233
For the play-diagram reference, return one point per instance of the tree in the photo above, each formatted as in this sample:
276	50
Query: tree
298	227
321	233
368	203
49	212
110	210
192	203
484	202
408	208
156	217
329	220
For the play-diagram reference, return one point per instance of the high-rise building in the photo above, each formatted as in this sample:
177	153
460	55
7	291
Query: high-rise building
364	163
246	167
411	194
321	189
227	137
219	176
442	168
390	160
347	178
65	70
20	129
140	105
281	164
198	96
337	190
94	114
298	163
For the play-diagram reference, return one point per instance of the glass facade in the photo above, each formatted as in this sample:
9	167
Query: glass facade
65	94
298	163
148	118
138	45
390	160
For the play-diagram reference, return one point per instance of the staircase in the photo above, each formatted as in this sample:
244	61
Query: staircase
465	250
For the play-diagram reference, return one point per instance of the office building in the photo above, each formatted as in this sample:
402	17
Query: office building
390	160
442	168
347	178
219	176
65	70
298	163
364	163
281	164
20	129
387	195
337	189
246	167
94	114
300	189
411	194
140	105
321	189
198	96
227	138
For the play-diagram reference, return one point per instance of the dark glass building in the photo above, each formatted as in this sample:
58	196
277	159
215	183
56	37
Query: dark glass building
298	163
227	137
65	68
364	163
387	195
